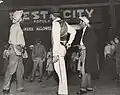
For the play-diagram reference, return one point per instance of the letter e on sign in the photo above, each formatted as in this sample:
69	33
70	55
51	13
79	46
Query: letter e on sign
26	16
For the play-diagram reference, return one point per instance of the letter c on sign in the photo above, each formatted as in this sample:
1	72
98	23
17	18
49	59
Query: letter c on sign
67	14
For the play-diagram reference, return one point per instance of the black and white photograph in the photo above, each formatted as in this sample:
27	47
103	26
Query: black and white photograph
59	47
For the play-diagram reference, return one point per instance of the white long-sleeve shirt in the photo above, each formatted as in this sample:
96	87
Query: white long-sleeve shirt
56	28
81	41
16	35
72	33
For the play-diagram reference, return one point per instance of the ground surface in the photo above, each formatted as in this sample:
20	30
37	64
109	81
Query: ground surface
102	86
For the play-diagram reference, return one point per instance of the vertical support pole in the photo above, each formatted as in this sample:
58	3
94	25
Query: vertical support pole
112	31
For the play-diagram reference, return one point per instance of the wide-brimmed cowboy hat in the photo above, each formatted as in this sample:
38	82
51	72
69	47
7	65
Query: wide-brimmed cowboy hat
85	20
17	16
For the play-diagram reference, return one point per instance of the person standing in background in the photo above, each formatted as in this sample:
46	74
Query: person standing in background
26	66
29	61
112	62
49	65
117	57
38	56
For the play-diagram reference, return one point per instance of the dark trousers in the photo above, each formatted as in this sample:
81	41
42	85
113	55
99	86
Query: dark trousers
37	62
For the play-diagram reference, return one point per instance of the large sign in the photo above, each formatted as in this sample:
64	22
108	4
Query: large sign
39	19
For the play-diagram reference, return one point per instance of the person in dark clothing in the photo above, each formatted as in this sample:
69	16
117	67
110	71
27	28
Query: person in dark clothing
117	58
89	40
38	57
110	66
29	62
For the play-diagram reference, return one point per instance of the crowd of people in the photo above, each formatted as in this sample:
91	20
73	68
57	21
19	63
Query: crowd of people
112	58
34	60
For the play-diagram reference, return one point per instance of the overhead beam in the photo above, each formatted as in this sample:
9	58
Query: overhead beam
61	6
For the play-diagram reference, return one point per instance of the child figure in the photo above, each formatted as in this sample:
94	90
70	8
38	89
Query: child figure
49	65
74	59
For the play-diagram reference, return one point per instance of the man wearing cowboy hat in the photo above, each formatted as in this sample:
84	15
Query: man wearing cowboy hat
17	42
88	44
59	41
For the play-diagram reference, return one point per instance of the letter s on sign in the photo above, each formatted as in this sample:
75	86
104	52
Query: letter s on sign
35	14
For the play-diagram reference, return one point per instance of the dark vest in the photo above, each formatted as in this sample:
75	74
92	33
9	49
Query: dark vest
63	31
90	38
63	37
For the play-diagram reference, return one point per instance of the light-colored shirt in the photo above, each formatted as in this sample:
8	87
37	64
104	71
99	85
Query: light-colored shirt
107	50
16	35
39	51
81	41
56	28
49	55
56	36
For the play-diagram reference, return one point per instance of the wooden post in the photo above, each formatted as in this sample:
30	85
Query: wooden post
112	31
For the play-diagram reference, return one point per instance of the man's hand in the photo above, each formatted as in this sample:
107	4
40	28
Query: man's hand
43	59
68	45
82	47
55	59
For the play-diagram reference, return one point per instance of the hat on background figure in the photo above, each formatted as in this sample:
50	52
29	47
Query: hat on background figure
17	16
85	20
55	11
31	46
38	40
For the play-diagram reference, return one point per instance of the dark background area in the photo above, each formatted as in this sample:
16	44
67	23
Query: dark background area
49	2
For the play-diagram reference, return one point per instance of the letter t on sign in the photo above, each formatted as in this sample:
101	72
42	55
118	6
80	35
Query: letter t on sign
44	13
